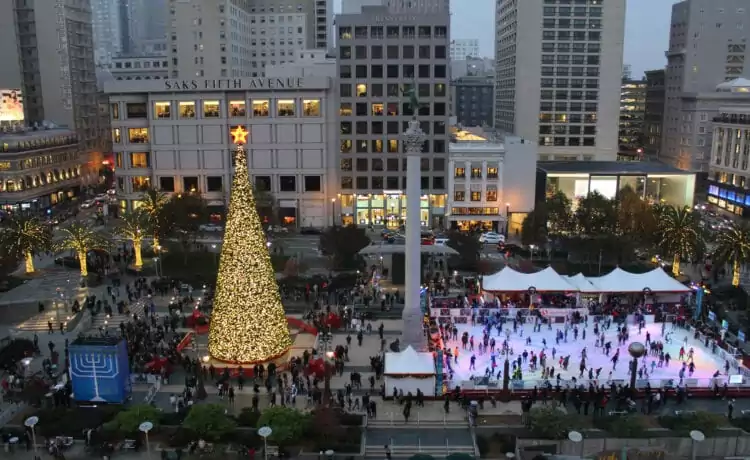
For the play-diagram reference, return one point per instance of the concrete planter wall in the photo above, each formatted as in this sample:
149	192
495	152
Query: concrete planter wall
729	442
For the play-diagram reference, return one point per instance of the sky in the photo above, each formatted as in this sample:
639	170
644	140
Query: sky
646	29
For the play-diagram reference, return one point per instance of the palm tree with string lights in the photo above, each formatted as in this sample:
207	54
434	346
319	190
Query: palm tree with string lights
733	247
81	239
152	204
680	234
134	226
23	237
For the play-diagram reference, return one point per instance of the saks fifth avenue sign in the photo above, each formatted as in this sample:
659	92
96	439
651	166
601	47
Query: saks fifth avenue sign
234	83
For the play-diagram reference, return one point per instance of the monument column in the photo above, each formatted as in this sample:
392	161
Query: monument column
413	333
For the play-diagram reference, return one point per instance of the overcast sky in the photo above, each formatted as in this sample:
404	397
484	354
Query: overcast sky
646	29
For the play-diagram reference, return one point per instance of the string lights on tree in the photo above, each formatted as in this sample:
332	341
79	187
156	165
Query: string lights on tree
248	324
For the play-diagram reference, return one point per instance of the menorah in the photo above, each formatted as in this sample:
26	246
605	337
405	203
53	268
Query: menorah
94	366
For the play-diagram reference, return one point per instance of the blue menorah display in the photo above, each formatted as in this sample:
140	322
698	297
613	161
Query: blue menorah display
99	370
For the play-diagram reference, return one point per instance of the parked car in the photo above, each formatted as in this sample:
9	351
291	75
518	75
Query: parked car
491	238
101	197
210	228
277	229
441	241
87	204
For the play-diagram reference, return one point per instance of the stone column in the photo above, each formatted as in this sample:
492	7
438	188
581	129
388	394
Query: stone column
412	315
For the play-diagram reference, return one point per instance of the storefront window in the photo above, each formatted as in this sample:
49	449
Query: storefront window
260	108
424	216
347	201
237	108
437	201
210	109
162	110
424	202
311	107
285	108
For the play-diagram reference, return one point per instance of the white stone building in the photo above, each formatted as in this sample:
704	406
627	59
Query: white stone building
173	135
489	181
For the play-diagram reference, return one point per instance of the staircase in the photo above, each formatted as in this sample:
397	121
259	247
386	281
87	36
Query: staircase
112	322
398	423
39	322
378	452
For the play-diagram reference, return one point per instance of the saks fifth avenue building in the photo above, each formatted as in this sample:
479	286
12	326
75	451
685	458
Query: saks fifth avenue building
173	135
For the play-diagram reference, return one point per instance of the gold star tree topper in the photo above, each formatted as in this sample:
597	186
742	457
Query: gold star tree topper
239	135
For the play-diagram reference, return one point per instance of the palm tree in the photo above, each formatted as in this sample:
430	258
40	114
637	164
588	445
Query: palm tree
23	237
734	247
81	239
134	225
152	204
679	234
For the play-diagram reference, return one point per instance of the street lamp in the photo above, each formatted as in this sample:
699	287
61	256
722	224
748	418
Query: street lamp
532	247
31	423
333	211
146	427
156	265
213	246
264	432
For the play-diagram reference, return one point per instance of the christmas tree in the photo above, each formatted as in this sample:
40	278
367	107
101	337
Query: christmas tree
248	323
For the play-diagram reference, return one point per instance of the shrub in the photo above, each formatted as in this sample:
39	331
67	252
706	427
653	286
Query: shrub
627	426
174	418
742	423
288	425
181	438
248	417
209	422
128	421
683	424
550	422
62	421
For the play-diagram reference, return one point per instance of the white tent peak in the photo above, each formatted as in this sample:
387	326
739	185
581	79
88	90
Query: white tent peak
409	361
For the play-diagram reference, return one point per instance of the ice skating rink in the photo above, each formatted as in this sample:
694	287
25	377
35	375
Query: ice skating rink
706	363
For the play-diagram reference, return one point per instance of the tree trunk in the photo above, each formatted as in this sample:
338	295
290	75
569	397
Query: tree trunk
736	268
138	257
29	257
676	265
156	243
84	267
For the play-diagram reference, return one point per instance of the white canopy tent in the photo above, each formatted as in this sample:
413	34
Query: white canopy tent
656	281
410	370
509	280
581	283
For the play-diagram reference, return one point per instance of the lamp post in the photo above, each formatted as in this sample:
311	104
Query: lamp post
532	247
31	423
413	138
146	427
156	266
216	262
333	212
264	432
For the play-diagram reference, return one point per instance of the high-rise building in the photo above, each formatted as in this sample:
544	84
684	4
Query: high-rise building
464	48
632	114
397	6
147	27
239	38
473	100
48	50
107	26
706	47
381	58
560	83
654	116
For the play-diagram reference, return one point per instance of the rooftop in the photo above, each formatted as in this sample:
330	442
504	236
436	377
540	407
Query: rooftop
608	167
30	134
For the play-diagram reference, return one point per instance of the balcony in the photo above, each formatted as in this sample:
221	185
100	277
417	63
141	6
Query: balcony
733	119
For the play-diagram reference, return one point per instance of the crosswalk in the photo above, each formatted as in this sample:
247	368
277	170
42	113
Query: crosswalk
108	321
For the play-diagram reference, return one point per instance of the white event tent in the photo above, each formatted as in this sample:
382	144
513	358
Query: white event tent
410	370
656	281
509	280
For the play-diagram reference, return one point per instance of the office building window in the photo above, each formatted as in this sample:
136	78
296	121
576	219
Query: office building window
136	110
190	184
285	108
140	183
459	195
476	196
346	183
210	109
313	184
261	108
311	107
287	183
114	111
116	135
162	110
460	173
237	109
187	109
166	184
214	184
138	135
139	160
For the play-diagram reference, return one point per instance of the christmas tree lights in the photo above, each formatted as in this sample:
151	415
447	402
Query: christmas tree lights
248	323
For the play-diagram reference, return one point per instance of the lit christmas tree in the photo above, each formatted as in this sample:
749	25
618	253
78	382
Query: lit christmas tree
248	323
